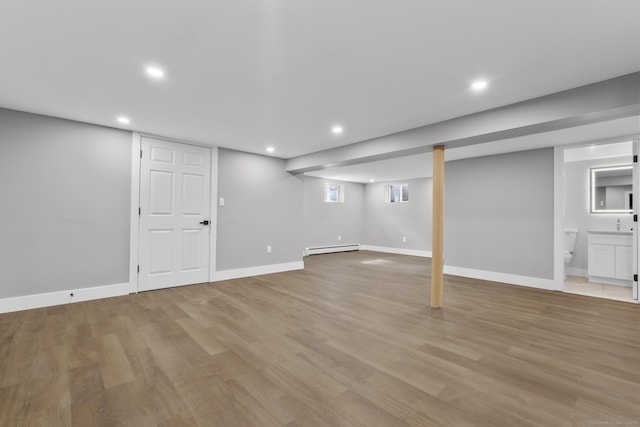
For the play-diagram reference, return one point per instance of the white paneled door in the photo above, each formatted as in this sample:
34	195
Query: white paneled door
174	214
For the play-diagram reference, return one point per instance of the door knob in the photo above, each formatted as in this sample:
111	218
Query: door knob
205	222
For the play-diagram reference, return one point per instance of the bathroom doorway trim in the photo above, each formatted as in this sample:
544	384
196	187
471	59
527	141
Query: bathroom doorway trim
559	206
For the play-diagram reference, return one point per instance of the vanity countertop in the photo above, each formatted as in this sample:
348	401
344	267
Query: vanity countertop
614	232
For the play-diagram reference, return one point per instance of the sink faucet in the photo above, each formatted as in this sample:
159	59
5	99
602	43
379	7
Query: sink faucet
618	225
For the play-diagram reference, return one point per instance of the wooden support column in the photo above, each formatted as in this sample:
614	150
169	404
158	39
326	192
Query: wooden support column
437	244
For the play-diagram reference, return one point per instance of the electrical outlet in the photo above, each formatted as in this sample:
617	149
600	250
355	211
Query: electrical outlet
404	239
221	201
339	238
268	249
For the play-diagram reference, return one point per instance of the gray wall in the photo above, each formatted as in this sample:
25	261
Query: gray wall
386	223
324	222
65	190
576	175
66	196
499	213
263	206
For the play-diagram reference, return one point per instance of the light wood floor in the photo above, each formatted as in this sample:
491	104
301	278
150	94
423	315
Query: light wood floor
582	286
349	341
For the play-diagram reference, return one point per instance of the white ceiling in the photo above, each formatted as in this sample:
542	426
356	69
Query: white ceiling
252	73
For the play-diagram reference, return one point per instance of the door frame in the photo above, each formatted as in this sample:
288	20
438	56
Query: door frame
559	206
134	233
635	191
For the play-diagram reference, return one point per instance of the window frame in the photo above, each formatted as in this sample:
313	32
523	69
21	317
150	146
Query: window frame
339	192
402	190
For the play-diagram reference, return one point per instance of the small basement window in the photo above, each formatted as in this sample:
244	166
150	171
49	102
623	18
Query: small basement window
397	193
333	192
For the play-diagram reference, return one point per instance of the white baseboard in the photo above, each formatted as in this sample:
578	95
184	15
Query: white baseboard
399	251
578	272
512	279
256	271
611	281
27	302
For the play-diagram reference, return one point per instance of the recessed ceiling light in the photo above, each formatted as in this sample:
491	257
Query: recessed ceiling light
271	149
155	72
124	120
479	85
337	129
372	180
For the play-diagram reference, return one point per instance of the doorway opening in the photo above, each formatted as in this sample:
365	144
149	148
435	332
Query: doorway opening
600	237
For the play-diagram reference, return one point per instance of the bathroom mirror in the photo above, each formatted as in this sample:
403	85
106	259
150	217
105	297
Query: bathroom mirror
611	189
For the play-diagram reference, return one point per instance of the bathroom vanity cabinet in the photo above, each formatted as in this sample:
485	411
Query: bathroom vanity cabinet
610	258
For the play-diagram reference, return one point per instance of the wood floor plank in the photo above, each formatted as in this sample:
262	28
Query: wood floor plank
353	409
351	340
114	365
205	339
87	396
276	401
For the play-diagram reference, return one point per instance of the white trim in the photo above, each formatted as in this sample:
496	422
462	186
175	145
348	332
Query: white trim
213	214
399	251
512	279
636	236
611	281
257	271
558	218
177	141
28	302
559	201
134	227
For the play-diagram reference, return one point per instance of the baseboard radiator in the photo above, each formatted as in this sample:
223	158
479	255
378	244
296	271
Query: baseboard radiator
315	250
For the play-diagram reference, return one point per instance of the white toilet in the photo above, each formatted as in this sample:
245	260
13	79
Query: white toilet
570	235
